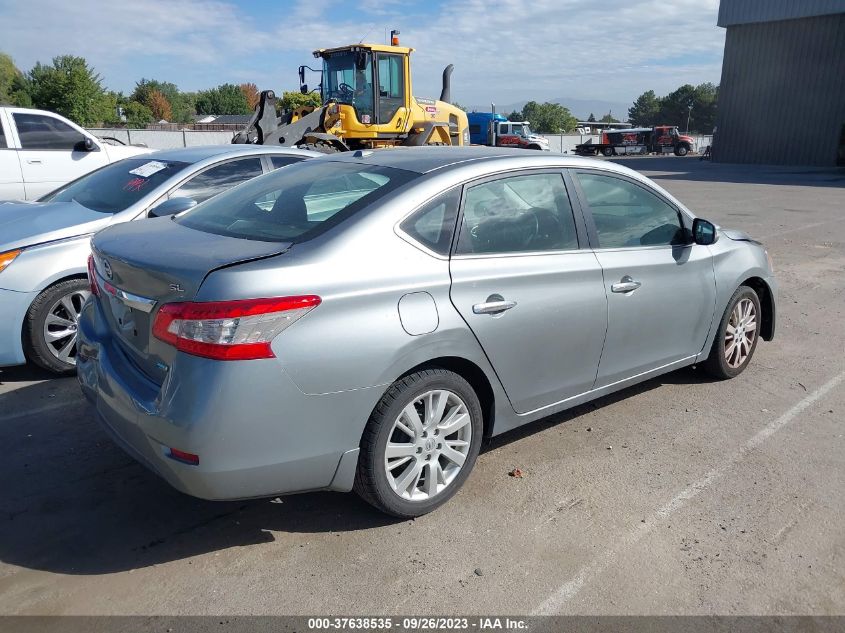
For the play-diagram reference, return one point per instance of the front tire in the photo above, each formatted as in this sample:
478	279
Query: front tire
320	146
737	337
682	150
50	326
420	443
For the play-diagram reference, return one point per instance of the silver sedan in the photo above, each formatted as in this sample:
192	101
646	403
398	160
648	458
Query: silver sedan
44	245
363	320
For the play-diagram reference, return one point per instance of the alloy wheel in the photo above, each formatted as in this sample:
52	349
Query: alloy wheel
428	445
61	324
740	333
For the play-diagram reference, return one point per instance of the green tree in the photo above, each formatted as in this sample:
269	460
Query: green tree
645	110
516	115
703	115
548	118
224	99
608	118
291	100
14	87
71	88
675	107
591	118
137	114
184	107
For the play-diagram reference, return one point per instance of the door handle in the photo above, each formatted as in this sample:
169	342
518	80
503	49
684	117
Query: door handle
626	284
33	161
495	306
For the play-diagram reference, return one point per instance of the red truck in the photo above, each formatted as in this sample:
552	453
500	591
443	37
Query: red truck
660	139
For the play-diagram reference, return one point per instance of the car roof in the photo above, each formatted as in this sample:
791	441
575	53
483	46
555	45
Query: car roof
204	152
424	160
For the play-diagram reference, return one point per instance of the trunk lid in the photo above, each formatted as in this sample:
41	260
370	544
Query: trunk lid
142	265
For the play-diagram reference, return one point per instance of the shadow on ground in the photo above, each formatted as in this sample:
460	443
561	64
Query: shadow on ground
74	503
690	168
23	373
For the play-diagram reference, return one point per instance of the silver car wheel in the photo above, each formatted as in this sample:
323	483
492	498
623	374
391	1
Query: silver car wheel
740	333
428	445
61	323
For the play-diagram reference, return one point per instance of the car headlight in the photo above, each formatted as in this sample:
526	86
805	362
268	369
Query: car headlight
8	257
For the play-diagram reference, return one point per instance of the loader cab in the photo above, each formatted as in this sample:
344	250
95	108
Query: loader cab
373	81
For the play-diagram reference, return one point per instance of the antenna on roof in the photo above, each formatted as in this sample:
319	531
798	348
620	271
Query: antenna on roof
366	34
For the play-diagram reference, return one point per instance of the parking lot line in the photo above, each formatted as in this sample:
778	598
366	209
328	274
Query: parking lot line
565	592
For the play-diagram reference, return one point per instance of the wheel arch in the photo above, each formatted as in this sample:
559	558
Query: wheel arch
49	283
767	303
474	375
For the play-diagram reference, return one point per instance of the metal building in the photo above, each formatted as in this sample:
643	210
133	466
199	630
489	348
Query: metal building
782	94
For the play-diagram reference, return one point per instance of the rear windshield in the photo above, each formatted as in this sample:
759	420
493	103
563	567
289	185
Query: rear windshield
117	186
295	203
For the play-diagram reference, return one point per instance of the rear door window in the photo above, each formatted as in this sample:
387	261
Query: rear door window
37	131
2	135
219	178
517	214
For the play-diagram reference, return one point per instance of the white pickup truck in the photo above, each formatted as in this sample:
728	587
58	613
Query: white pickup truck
40	151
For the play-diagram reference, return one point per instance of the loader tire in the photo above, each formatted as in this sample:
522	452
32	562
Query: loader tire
323	148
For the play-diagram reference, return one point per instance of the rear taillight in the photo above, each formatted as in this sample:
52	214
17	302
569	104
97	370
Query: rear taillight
229	330
92	277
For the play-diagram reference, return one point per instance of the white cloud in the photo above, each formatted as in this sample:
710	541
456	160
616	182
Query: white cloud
503	50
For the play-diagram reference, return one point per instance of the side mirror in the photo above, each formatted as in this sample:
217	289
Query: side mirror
172	207
301	75
304	89
87	144
704	232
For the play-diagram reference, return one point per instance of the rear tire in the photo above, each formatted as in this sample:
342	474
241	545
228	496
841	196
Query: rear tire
50	326
737	336
432	423
607	151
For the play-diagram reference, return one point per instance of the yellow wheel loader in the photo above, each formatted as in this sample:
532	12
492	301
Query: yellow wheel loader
367	103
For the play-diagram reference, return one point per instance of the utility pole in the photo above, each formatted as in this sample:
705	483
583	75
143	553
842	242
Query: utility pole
689	114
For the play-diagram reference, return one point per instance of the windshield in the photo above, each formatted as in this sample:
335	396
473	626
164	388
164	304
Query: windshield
521	129
296	203
117	186
348	78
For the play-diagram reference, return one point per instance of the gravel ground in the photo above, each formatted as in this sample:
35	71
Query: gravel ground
678	496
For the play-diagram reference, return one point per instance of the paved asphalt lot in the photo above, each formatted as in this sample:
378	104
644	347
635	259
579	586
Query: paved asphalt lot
678	496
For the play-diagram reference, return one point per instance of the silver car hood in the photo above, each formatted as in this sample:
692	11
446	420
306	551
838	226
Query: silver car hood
26	224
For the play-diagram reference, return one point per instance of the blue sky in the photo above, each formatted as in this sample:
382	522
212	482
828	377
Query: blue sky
503	50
